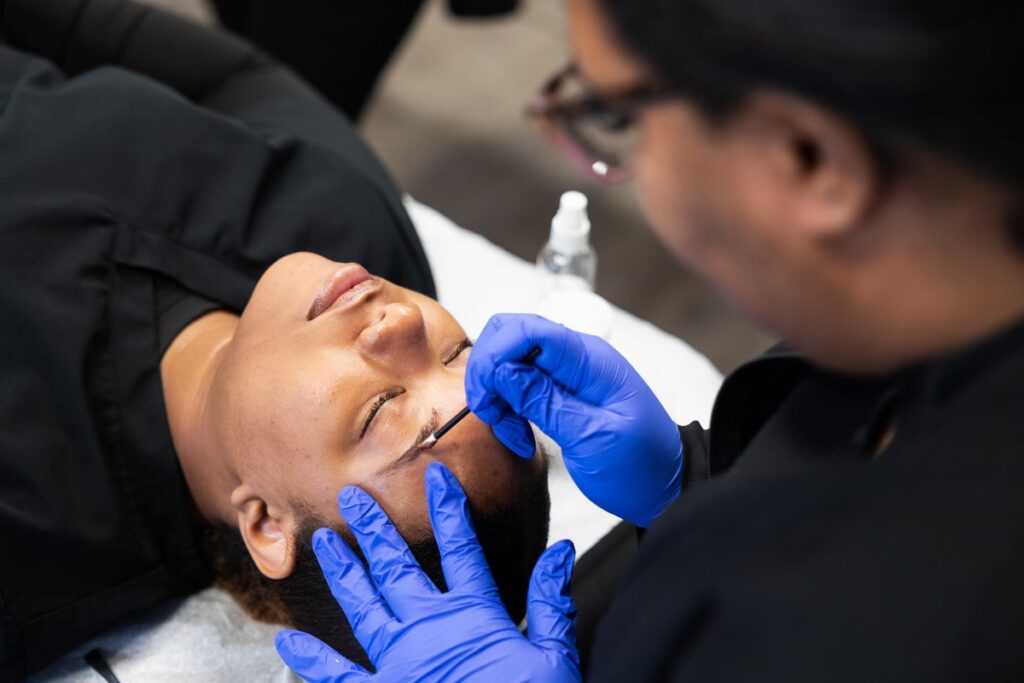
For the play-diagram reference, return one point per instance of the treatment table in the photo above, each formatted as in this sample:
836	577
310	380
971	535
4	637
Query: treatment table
207	637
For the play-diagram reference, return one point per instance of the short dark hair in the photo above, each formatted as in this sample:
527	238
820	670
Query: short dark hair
943	74
512	537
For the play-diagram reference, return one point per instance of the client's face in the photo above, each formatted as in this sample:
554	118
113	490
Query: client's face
333	377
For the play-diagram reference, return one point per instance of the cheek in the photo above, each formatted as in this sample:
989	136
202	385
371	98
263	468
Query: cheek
401	495
669	172
492	476
486	480
285	290
688	183
664	203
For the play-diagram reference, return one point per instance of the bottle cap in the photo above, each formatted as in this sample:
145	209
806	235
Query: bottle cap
570	228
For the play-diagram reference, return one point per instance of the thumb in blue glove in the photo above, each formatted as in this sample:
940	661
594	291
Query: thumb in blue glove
413	632
619	444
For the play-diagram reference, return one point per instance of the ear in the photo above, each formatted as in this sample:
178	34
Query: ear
824	163
266	532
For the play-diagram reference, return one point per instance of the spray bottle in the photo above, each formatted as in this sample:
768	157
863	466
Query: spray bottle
568	265
567	260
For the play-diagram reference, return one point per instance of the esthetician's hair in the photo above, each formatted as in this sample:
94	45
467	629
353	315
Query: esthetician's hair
944	75
512	538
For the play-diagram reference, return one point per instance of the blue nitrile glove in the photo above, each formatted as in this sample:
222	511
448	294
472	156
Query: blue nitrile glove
619	445
413	632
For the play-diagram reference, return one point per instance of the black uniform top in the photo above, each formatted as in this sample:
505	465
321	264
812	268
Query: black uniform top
109	184
795	554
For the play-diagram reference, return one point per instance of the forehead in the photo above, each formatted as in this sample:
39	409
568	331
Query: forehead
601	57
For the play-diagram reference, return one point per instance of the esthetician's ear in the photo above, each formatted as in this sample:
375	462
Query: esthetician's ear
821	170
267	533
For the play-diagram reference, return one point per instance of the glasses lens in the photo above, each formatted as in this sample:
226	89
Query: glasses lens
608	137
596	135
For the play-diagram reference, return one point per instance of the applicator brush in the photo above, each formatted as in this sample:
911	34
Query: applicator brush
431	440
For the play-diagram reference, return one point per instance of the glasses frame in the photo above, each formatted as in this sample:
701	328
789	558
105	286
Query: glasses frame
555	117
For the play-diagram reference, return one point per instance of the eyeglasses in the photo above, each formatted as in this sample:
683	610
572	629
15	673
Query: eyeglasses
596	132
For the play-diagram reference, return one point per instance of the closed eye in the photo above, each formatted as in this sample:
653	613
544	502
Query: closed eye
377	405
457	351
393	393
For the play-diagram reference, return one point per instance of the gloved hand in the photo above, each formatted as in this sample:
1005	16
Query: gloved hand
413	632
619	445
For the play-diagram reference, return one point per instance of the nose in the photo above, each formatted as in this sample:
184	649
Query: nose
398	340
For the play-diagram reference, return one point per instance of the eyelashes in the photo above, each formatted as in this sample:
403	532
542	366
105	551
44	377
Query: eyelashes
377	405
457	351
394	393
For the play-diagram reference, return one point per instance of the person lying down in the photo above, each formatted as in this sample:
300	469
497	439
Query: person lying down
333	377
187	383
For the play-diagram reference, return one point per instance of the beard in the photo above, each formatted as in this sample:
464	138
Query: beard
512	537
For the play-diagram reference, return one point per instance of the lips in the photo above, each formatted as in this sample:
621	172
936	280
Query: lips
346	283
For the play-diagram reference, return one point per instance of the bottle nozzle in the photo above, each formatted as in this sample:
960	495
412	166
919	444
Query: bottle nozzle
573	201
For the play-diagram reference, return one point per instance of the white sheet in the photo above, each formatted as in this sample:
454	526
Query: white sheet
206	637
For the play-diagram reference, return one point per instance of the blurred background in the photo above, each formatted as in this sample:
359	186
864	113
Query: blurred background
447	119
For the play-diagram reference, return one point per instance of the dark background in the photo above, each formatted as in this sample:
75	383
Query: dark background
447	120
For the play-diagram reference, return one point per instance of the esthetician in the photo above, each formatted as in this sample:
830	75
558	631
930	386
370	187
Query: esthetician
850	174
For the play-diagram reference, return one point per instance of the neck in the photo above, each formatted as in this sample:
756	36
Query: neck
923	322
187	371
949	278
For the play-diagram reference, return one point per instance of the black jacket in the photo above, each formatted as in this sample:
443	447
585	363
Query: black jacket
339	46
108	178
795	554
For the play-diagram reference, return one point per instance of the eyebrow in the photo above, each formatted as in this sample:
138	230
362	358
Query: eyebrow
413	451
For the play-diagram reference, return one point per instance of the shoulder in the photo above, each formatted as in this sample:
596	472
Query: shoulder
831	576
748	397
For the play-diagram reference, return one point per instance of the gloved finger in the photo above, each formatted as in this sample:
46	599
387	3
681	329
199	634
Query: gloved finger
516	434
398	575
314	661
480	395
356	594
562	352
462	558
532	394
511	430
550	609
491	348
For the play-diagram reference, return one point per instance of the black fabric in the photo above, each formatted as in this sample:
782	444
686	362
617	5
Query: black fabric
109	180
594	579
176	307
340	47
481	8
807	558
697	454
